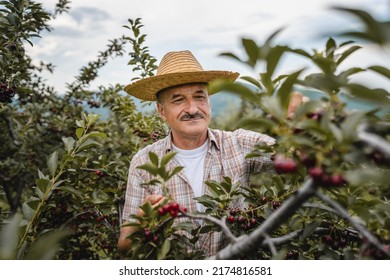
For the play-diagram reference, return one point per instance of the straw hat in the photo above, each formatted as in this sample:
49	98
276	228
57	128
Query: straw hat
176	68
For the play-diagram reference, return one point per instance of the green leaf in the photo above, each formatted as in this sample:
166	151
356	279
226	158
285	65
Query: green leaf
99	196
309	229
73	191
69	143
79	132
231	55
41	175
381	70
347	53
272	106
150	168
310	106
329	126
80	123
42	187
367	175
286	88
29	207
300	52
330	47
97	134
163	252
235	88
88	144
176	170
47	246
147	208
252	51
167	157
153	158
92	118
258	124
273	58
251	80
350	124
52	163
379	97
9	237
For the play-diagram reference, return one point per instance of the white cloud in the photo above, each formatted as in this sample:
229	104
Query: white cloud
203	26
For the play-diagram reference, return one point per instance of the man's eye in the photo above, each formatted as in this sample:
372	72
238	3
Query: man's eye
177	101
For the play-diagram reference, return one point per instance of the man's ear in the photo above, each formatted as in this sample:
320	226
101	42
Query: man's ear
160	110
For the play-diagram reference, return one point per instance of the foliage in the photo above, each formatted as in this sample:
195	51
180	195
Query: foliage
64	171
37	124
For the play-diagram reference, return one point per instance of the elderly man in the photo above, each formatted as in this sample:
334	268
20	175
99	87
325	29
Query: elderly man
180	89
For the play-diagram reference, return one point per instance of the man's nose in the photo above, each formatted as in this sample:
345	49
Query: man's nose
192	108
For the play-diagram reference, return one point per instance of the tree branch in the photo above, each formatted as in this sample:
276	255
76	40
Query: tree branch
375	141
246	243
344	214
221	223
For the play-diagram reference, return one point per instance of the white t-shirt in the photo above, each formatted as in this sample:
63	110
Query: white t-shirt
193	163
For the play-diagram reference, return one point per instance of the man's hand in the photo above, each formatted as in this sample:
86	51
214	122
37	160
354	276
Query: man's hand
124	243
296	100
154	199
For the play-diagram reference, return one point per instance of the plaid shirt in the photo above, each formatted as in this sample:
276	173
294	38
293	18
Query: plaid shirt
225	157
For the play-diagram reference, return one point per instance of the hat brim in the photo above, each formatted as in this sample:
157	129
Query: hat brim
146	89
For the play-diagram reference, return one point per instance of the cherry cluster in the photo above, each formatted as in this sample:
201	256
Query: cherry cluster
6	93
325	179
150	236
283	164
241	219
173	208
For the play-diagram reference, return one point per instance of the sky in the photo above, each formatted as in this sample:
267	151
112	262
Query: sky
206	27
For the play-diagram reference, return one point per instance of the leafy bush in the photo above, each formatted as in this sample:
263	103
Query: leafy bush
64	171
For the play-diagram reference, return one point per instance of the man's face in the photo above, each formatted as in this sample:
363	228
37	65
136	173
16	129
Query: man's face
187	110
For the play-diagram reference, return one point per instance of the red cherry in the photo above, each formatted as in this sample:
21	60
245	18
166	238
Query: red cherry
174	205
276	204
147	234
316	173
161	211
173	213
284	165
166	208
233	212
231	219
327	239
337	180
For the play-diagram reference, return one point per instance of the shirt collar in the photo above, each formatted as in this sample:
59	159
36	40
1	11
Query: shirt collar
210	134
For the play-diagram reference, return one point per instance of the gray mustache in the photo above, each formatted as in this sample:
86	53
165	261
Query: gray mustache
187	116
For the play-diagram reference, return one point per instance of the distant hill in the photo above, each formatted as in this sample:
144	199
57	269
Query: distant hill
222	101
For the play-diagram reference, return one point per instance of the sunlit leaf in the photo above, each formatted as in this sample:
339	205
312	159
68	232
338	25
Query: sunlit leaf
52	163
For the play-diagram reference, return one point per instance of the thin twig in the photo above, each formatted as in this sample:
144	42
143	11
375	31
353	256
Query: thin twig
270	242
221	223
344	214
283	239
